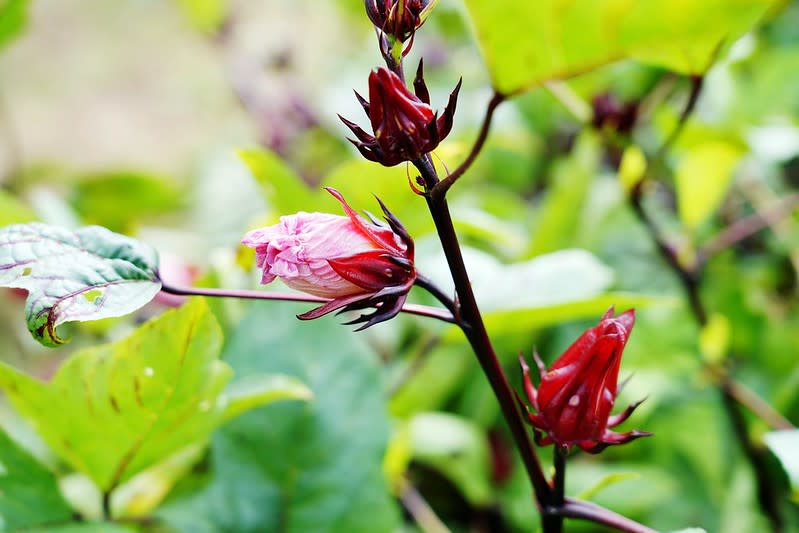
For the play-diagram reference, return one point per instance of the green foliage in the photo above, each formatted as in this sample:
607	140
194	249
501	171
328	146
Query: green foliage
702	179
458	449
158	423
89	527
13	17
14	211
114	410
28	492
784	445
525	44
206	15
87	274
313	466
95	198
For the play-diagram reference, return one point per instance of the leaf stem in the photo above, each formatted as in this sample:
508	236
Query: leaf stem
573	508
745	227
697	83
440	189
420	510
428	285
411	309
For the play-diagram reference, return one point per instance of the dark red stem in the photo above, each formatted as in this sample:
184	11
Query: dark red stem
472	325
441	188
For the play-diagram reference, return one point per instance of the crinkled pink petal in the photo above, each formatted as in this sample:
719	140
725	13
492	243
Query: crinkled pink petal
298	247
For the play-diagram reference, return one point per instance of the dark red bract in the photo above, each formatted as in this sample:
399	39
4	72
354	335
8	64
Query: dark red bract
574	400
399	18
404	125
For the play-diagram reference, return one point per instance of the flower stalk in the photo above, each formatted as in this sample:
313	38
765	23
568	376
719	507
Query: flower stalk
471	322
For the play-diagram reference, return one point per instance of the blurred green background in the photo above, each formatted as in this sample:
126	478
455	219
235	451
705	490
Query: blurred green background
185	123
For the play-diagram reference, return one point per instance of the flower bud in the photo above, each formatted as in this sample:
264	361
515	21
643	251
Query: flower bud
357	263
574	400
404	125
610	113
398	18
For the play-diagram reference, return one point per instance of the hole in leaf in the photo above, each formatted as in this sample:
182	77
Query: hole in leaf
27	271
93	296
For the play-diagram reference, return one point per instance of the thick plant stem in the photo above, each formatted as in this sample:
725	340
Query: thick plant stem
471	323
106	505
553	519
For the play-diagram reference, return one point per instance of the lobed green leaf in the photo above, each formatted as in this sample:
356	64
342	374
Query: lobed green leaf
114	410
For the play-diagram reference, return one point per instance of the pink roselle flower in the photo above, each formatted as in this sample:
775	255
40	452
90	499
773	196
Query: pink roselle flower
573	402
358	263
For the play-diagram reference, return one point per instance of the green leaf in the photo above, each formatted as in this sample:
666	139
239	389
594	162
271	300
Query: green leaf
87	527
13	17
702	179
605	482
784	444
13	211
87	274
458	449
526	43
28	492
505	322
255	390
359	181
148	396
299	467
206	15
559	218
96	198
632	167
282	188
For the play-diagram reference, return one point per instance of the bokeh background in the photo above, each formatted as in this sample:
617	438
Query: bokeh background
185	123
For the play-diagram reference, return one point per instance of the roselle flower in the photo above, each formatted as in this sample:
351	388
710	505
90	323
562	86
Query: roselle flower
404	125
574	400
358	263
398	18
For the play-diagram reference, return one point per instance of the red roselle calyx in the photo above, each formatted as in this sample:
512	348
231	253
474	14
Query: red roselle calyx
573	402
398	18
404	125
358	263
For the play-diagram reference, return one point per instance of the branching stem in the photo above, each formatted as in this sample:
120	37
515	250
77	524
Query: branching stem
440	189
472	325
412	309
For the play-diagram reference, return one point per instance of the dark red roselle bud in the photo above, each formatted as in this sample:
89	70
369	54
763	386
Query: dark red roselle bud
358	263
573	402
404	125
398	18
610	113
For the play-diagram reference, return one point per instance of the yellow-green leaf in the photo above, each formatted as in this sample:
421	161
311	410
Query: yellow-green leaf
526	43
702	179
112	411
